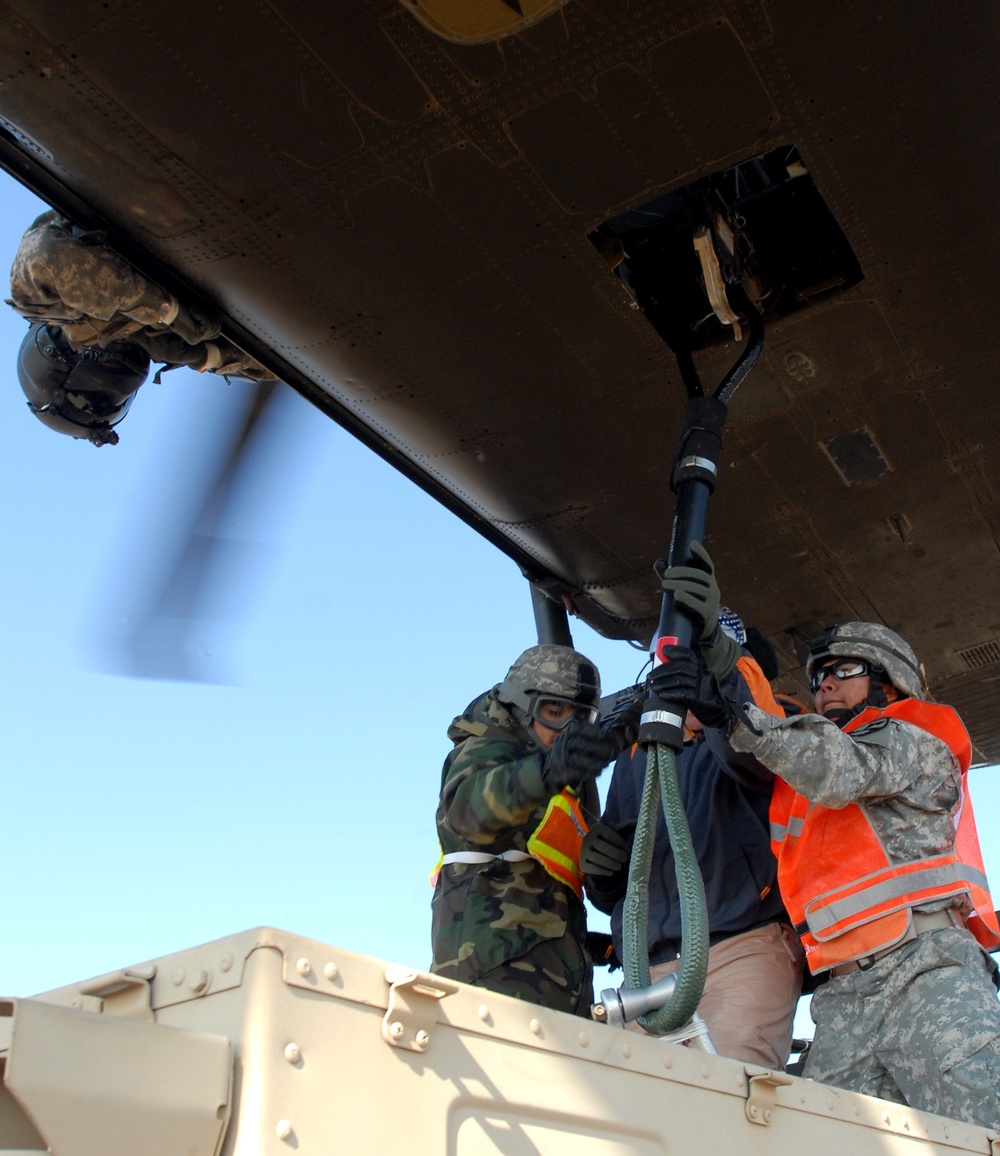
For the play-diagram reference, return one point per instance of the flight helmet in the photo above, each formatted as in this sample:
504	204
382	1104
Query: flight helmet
551	674
83	393
892	660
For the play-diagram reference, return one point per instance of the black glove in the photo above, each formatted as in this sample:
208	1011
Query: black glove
715	712
622	722
607	849
194	324
678	679
580	753
601	949
695	589
718	712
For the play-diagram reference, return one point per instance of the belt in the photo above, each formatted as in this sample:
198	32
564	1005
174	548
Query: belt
484	856
667	950
921	923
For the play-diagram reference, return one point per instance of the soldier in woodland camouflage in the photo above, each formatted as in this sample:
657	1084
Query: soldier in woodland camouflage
879	865
507	908
95	307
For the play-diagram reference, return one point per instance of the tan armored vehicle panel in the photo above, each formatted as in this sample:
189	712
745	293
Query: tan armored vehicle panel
269	1044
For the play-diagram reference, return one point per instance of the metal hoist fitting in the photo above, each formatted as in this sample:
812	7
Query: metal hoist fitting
762	1090
411	1013
121	993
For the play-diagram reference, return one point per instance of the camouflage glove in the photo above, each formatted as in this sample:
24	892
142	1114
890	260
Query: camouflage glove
580	753
695	589
194	324
607	849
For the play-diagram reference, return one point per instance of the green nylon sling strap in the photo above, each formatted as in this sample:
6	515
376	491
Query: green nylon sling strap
661	782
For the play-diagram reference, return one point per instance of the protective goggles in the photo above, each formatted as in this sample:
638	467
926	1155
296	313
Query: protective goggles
561	716
842	669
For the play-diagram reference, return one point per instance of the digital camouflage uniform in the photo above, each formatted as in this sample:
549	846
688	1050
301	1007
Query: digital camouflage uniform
922	1024
508	926
67	277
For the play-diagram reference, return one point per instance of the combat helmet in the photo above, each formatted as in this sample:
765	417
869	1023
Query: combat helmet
551	673
81	393
877	644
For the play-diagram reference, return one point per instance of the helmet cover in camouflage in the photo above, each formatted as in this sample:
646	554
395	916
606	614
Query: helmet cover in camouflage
551	672
874	643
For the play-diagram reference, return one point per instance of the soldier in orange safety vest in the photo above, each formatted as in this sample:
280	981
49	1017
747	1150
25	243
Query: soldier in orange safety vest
880	869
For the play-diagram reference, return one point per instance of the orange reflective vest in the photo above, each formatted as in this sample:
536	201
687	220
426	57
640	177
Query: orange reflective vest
844	896
555	843
558	838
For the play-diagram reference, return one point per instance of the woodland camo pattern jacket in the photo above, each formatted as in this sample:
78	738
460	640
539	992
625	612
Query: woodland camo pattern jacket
485	916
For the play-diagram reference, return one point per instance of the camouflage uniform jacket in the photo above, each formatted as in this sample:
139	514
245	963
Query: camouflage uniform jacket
907	780
492	799
66	277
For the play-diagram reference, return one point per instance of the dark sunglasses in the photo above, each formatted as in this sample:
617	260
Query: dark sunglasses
841	670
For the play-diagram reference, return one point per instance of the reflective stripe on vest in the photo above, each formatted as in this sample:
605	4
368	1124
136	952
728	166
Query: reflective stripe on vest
888	891
780	832
863	901
555	843
558	838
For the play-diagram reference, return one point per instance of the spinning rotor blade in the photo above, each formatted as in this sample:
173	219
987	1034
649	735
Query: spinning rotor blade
160	640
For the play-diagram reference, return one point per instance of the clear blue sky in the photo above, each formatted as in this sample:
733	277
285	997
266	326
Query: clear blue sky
143	817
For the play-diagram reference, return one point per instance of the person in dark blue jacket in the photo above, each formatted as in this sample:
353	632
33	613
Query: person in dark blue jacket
755	958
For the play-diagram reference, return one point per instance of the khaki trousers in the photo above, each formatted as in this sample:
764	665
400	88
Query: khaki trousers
753	985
